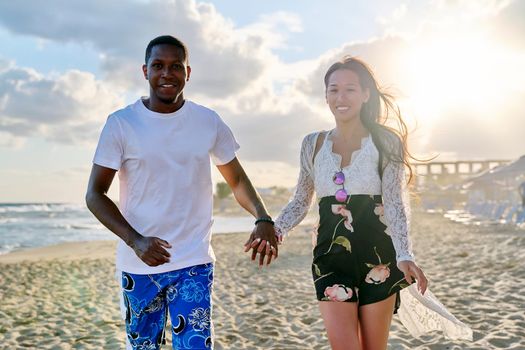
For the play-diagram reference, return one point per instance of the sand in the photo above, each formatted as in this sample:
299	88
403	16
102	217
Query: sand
65	297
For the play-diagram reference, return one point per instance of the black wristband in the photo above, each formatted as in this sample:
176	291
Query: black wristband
264	219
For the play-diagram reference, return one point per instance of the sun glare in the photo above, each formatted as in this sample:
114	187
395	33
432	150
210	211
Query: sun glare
461	73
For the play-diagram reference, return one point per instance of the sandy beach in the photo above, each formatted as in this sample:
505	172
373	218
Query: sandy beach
65	296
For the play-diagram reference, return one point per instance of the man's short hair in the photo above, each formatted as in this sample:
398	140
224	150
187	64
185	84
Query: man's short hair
166	40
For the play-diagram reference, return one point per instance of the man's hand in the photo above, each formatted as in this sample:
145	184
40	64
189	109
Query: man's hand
411	270
263	241
151	250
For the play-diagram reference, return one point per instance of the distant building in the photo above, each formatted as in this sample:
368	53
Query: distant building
496	194
499	184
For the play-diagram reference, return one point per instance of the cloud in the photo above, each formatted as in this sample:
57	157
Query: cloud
509	25
232	68
467	135
269	104
68	109
275	27
384	55
396	16
225	59
276	136
64	185
490	110
7	140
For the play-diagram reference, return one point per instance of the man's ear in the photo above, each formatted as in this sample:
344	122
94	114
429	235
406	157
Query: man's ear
145	71
188	73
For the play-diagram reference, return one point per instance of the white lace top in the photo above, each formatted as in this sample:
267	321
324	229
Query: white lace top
361	177
420	314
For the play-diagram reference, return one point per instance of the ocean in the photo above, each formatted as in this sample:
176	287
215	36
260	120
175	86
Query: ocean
29	225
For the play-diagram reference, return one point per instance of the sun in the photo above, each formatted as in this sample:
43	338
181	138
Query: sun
455	72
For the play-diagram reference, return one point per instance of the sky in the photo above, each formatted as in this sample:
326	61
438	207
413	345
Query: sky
457	69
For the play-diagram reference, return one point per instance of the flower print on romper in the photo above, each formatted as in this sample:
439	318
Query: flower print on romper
339	209
378	273
337	292
379	210
347	219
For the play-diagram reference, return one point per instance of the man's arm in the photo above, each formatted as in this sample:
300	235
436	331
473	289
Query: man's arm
151	250
262	240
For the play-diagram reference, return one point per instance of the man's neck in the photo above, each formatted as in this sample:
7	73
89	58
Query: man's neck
158	106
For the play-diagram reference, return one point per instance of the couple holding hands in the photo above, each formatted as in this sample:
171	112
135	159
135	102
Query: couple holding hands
161	147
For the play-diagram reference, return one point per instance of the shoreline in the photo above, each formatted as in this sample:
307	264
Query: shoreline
96	249
67	251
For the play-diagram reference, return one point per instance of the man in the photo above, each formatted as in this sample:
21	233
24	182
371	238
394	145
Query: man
161	146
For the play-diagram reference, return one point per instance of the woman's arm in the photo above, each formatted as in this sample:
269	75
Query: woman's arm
397	214
397	209
295	211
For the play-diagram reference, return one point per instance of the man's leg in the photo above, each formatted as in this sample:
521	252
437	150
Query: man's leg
189	303
145	303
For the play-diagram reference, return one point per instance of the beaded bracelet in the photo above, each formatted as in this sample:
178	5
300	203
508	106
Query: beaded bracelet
265	219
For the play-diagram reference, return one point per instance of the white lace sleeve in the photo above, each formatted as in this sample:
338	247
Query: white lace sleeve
295	211
397	209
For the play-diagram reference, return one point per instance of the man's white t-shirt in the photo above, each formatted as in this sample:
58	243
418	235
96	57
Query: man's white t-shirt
163	163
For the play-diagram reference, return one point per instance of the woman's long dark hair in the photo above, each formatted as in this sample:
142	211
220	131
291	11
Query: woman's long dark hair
380	108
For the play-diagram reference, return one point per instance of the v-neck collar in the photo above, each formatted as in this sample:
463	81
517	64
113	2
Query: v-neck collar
336	156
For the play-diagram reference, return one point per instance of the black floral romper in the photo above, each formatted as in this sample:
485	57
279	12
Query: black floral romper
354	259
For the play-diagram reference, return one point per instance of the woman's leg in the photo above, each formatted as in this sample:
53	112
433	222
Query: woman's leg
341	323
374	322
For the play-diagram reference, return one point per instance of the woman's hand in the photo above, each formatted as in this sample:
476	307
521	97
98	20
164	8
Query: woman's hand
411	271
263	241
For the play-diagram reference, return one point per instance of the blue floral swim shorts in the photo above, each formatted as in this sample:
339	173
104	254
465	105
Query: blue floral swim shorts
185	294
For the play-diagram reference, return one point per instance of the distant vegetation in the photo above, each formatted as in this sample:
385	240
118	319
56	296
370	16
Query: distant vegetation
274	197
222	190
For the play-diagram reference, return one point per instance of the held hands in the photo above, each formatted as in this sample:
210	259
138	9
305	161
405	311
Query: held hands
411	270
263	241
151	250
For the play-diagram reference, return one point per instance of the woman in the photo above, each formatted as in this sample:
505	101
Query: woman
362	253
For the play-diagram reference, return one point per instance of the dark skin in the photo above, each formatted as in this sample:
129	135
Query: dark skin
249	199
167	72
151	250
